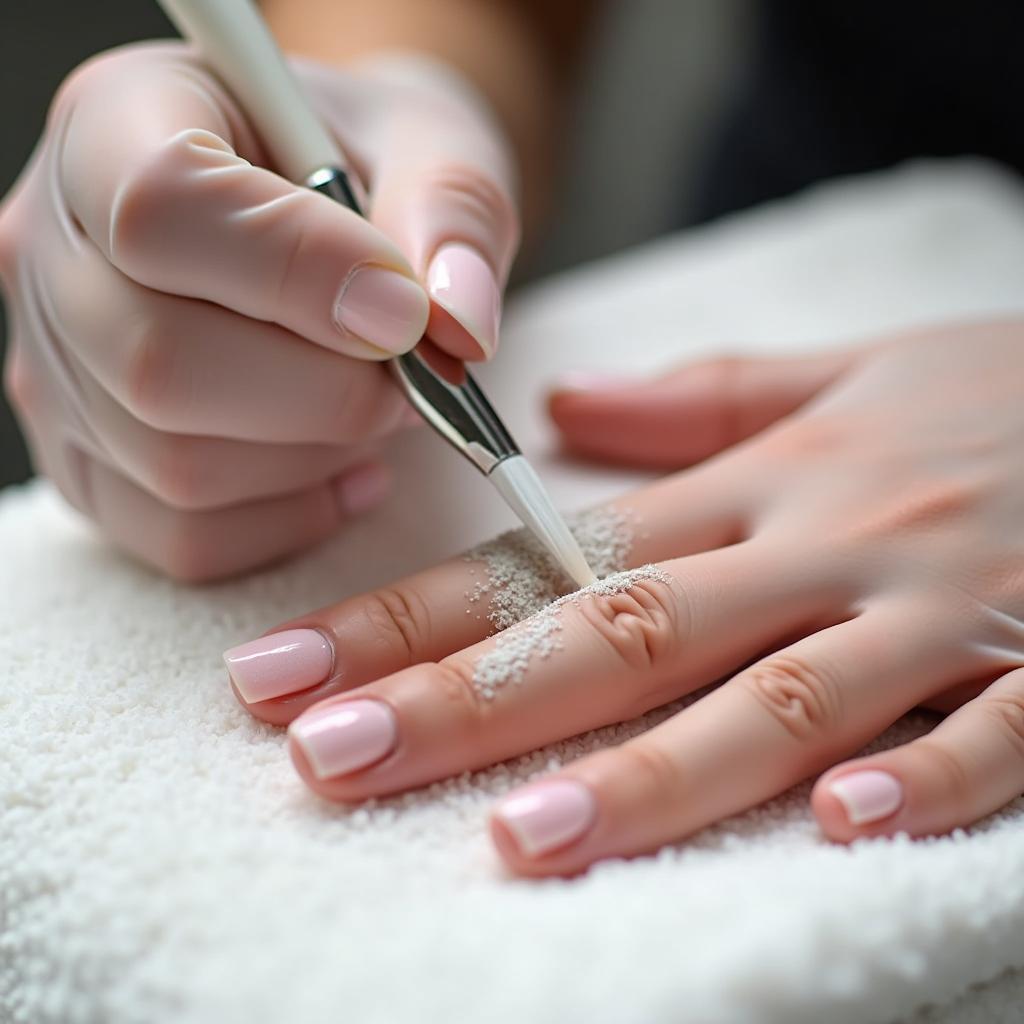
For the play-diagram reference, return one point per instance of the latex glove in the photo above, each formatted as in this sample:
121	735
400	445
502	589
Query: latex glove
196	345
853	560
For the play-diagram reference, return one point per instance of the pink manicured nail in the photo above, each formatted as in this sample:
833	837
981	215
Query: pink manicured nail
586	380
281	663
363	488
343	737
383	308
868	795
548	815
461	280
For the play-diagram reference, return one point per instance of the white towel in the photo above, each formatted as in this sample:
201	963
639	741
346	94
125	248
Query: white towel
160	862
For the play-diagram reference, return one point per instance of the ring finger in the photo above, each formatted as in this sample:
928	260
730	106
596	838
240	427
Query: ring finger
777	722
440	611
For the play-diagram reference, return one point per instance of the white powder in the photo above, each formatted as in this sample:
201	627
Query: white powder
537	636
522	578
528	590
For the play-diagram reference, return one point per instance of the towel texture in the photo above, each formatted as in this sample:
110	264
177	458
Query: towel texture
159	861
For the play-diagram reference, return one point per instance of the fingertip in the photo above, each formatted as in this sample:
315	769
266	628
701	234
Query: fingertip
363	488
465	302
382	307
504	842
853	801
301	763
830	814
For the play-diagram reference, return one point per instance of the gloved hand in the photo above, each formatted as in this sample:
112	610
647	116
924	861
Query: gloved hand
196	343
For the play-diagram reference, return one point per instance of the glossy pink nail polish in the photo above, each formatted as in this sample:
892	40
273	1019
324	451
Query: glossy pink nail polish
461	280
547	815
867	795
345	736
383	308
285	662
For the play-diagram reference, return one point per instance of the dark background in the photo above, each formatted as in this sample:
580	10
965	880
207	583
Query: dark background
39	45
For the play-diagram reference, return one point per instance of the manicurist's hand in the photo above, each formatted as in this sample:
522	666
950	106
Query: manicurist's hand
855	549
197	344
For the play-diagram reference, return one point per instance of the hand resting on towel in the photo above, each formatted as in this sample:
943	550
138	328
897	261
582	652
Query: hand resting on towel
848	545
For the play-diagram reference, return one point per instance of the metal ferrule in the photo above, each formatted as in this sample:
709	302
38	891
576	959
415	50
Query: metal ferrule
436	384
336	184
453	405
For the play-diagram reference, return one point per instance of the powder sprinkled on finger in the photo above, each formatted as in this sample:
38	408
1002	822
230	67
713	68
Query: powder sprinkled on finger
537	636
526	591
521	578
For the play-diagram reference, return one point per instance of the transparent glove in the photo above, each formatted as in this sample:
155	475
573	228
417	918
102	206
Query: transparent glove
196	346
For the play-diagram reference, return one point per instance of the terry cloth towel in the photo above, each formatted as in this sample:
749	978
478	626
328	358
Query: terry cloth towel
160	862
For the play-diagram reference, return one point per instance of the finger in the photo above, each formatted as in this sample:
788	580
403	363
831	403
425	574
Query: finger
603	660
199	546
771	726
433	614
442	189
688	414
191	367
184	471
967	767
150	172
949	700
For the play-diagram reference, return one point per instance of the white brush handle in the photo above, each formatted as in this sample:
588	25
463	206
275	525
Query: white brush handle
238	47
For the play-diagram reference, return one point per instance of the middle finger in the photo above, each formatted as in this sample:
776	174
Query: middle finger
597	660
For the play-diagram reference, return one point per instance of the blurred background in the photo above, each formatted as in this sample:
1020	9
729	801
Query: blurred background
683	109
651	63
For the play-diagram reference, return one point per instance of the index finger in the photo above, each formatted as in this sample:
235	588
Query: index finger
152	170
428	616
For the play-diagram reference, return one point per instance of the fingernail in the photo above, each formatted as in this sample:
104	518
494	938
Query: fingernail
345	736
460	280
383	308
363	488
547	815
285	662
586	380
868	795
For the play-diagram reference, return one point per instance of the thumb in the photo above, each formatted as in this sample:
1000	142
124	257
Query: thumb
689	414
443	192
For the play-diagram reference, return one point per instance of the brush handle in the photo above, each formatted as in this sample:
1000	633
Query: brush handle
237	45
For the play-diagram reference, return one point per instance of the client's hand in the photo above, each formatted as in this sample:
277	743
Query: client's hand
859	552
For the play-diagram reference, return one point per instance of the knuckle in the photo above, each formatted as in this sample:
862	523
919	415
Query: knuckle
653	769
799	696
476	196
808	439
1007	709
404	615
186	553
642	625
177	474
149	376
159	193
939	762
922	507
453	683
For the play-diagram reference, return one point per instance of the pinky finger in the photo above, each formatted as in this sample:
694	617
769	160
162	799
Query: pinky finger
197	546
967	767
